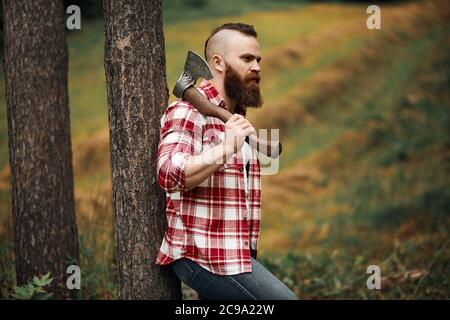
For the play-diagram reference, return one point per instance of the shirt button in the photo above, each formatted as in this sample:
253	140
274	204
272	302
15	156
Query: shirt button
243	194
246	243
241	169
213	138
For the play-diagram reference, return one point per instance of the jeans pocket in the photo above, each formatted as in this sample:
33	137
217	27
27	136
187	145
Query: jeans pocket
183	270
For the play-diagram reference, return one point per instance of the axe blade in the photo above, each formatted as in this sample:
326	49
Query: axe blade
195	67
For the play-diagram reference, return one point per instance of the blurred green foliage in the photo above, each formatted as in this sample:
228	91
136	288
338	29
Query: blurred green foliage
367	110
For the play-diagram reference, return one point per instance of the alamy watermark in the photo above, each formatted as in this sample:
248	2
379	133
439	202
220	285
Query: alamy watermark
264	145
374	281
374	20
73	22
74	280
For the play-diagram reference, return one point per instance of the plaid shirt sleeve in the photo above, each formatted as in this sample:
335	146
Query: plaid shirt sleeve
181	137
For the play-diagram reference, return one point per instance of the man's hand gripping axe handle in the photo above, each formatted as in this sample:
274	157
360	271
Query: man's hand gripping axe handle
195	67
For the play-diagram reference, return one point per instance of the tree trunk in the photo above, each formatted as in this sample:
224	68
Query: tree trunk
39	141
137	95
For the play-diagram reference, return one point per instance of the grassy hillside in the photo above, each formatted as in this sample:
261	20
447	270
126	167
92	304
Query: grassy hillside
364	118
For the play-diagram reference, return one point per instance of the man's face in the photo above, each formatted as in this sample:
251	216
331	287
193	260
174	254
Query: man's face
242	74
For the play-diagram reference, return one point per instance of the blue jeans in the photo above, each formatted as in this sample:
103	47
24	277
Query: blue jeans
259	284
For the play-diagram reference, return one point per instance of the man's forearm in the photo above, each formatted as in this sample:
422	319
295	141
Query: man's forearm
200	167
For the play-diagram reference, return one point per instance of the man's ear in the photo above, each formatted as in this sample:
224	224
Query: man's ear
218	63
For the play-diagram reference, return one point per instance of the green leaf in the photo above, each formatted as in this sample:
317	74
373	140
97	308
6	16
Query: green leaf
24	292
43	296
47	281
37	282
43	281
38	289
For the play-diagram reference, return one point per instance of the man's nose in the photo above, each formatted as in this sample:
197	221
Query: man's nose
256	67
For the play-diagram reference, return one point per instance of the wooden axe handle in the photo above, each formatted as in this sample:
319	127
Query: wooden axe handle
207	108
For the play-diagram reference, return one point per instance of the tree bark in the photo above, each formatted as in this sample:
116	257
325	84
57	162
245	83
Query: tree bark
40	153
137	95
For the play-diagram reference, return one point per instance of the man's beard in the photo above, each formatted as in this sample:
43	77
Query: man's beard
244	91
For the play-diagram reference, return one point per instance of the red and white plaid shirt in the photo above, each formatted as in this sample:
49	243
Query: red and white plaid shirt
208	224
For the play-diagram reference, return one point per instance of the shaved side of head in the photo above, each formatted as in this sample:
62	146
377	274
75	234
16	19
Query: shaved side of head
222	37
218	44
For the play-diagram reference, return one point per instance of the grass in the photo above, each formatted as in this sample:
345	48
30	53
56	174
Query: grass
364	118
385	196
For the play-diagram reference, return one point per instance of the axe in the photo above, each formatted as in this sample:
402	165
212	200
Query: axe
196	67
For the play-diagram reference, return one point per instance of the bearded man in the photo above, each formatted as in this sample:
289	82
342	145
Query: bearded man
211	177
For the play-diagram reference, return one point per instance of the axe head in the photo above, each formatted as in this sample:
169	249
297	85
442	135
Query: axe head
195	67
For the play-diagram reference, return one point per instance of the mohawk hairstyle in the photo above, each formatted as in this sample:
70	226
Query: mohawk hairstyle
243	28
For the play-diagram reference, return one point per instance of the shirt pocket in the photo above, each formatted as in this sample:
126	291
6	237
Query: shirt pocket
211	138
